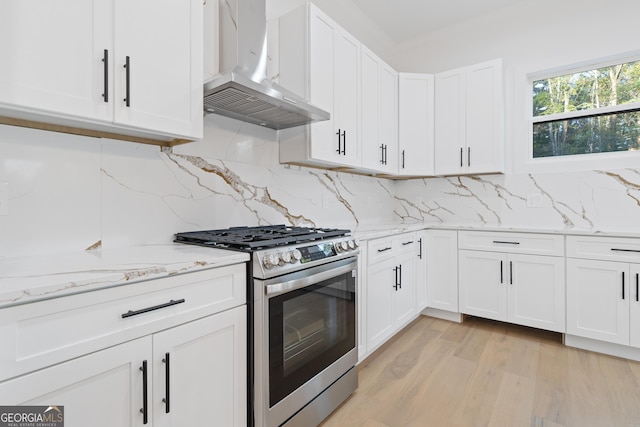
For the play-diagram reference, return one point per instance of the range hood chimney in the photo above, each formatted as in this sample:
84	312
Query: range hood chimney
243	91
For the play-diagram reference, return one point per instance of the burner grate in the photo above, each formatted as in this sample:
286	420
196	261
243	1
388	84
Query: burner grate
252	238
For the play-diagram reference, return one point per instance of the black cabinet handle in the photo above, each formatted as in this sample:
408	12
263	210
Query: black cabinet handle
625	250
511	272
506	243
344	142
155	307
384	249
339	150
461	157
469	156
420	246
382	154
623	285
386	154
167	388
127	66
637	280
402	159
400	281
395	270
105	65
407	243
501	273
145	393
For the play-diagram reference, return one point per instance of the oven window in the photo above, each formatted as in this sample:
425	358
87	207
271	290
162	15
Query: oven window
309	329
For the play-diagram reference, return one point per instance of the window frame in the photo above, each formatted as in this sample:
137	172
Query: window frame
577	162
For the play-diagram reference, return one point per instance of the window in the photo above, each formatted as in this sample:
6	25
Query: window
593	110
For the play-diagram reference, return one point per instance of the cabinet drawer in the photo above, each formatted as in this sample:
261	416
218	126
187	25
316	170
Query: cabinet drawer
524	243
404	243
379	250
48	332
604	248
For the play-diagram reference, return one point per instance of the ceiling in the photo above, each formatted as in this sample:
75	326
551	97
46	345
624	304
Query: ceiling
404	20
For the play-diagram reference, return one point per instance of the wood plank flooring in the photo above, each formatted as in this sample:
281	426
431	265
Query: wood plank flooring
486	373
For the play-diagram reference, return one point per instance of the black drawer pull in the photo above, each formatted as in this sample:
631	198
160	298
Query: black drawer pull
407	243
420	253
384	249
506	243
155	307
625	250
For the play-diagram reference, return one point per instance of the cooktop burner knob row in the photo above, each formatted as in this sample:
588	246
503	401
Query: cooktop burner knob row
346	245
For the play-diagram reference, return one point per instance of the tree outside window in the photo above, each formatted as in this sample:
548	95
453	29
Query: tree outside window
592	111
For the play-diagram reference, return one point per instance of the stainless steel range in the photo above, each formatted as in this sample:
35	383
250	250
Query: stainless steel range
302	300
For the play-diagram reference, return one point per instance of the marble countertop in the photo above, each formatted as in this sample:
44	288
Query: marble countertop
29	279
383	230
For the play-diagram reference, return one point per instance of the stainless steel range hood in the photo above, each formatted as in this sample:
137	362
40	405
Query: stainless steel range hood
243	91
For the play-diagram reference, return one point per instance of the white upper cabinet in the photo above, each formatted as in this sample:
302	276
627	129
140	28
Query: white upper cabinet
65	62
52	54
379	110
321	63
415	124
469	136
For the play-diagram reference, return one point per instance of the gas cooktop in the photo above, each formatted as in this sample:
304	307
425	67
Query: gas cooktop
261	237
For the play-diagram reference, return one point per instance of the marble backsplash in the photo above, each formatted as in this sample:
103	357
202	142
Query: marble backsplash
69	193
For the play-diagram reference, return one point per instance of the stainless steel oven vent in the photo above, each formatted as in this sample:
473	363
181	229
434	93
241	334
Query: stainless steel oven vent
243	91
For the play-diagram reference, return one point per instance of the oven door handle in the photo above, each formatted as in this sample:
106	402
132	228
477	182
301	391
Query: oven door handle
302	282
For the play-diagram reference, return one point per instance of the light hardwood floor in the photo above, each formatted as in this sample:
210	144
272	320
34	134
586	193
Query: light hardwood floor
485	373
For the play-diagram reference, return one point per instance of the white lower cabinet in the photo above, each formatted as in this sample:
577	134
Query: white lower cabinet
156	375
390	287
603	295
518	287
103	389
441	253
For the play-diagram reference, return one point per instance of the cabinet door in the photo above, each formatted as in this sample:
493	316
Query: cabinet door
324	141
442	269
536	291
164	47
483	284
484	109
595	304
103	389
388	117
372	152
52	55
206	372
380	290
634	301
379	112
450	122
421	272
346	94
405	294
415	124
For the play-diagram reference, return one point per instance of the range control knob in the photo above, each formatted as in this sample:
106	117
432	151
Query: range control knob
341	246
296	256
269	261
351	243
285	257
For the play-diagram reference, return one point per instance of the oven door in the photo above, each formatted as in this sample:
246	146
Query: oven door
310	321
